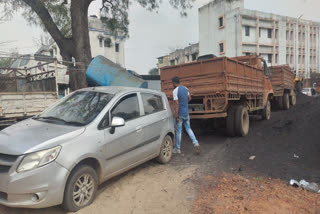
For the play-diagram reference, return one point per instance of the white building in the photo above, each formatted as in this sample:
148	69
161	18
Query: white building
180	56
102	42
226	28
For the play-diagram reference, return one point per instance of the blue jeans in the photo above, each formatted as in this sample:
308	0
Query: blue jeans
185	120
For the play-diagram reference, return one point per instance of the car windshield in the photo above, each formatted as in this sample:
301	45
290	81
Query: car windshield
80	108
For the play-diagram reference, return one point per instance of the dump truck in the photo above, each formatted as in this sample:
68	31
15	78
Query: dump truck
282	81
23	95
223	88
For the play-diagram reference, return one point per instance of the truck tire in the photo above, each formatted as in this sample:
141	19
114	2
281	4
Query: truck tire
280	102
286	101
241	121
293	99
266	112
230	122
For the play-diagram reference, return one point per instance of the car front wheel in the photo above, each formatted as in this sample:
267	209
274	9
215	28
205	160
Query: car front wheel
81	188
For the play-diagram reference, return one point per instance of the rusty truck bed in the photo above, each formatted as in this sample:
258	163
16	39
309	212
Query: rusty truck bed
215	76
282	78
215	83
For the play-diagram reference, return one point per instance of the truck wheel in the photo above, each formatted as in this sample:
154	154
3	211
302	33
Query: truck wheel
230	122
293	99
266	112
286	101
165	150
280	102
241	121
81	188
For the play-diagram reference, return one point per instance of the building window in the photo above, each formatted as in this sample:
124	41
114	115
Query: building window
51	52
287	35
247	54
221	22
117	47
276	59
247	30
100	42
221	48
107	43
269	33
172	62
270	58
160	60
276	35
187	58
287	59
194	57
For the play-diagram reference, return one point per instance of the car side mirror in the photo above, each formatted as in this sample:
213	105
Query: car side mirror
116	122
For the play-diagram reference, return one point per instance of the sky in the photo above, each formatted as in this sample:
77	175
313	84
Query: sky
153	34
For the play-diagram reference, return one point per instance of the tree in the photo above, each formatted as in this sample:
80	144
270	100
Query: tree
68	25
154	71
5	62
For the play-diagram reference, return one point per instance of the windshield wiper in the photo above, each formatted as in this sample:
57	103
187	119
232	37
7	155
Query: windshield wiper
61	120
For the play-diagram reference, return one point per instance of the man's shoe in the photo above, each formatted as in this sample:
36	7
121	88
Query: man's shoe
176	151
197	148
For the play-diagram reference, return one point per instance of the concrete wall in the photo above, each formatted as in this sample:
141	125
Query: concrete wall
237	43
210	34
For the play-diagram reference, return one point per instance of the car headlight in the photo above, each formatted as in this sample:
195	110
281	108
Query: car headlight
38	159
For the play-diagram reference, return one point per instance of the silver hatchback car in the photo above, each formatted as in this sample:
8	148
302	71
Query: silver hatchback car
63	154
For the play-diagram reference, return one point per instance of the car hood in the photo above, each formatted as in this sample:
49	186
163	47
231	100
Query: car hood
31	135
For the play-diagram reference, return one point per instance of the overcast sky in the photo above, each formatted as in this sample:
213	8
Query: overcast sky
154	34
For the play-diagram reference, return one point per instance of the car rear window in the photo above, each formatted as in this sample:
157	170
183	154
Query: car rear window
152	103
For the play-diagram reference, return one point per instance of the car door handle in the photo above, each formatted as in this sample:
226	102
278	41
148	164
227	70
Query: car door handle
138	128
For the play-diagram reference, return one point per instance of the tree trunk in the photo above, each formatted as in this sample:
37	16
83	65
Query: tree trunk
78	46
81	41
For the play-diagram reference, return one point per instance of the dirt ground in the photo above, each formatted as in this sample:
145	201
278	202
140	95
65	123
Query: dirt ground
236	194
189	181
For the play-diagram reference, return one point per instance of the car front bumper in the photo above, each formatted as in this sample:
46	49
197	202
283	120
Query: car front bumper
37	188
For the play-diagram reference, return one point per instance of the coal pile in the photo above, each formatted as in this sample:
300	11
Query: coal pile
286	147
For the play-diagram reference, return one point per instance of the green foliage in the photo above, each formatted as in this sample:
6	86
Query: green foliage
154	71
5	62
114	13
59	11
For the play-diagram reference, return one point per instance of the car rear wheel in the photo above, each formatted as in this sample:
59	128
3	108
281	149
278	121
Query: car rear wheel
241	121
165	150
81	188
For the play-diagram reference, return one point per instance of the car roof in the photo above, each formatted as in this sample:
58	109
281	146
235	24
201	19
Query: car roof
119	89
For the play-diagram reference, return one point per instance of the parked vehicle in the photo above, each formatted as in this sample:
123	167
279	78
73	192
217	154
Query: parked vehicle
308	91
18	105
283	86
223	88
87	137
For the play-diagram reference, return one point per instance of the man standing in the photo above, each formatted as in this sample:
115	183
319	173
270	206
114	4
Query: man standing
181	97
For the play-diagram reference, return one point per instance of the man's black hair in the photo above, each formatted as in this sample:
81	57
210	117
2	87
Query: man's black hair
175	80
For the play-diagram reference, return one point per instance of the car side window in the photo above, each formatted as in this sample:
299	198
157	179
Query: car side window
151	103
127	108
104	122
